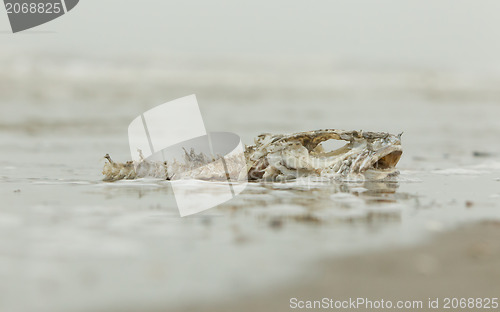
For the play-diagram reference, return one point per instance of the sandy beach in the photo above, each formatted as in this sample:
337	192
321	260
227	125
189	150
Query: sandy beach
71	242
462	263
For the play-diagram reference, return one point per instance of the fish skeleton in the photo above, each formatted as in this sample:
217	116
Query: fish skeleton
280	157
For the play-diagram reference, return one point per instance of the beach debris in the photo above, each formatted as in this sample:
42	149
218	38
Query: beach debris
276	223
482	154
282	157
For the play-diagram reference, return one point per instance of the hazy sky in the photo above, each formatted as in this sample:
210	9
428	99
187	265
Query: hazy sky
450	32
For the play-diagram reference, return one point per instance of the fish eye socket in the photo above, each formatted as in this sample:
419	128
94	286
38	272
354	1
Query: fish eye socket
333	145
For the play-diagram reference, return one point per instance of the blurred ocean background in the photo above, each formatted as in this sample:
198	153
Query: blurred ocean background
69	89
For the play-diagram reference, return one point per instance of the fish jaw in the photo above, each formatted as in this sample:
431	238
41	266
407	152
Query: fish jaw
377	159
382	164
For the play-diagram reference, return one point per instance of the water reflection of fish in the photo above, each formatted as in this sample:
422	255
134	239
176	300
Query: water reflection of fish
366	155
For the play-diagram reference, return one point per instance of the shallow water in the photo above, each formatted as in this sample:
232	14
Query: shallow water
70	240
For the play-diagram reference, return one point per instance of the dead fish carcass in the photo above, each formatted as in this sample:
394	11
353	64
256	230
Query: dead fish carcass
366	155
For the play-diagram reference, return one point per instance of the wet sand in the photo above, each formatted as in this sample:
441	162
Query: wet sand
463	263
70	242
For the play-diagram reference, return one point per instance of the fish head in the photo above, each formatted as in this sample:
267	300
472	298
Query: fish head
374	155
